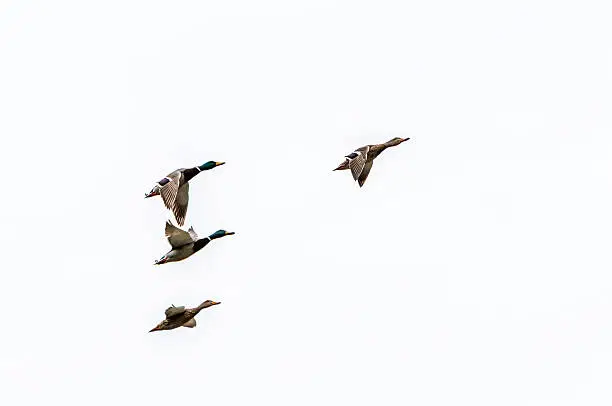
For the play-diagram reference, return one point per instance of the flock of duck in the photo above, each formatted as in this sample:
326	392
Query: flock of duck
174	191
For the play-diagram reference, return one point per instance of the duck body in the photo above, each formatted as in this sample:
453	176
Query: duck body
174	189
360	161
180	317
178	254
186	243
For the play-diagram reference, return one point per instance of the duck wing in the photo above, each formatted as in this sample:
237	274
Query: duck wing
193	234
357	161
179	208
177	237
364	173
174	311
170	190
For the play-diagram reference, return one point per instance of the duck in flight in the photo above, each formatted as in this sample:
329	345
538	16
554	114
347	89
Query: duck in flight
181	317
186	243
174	189
360	161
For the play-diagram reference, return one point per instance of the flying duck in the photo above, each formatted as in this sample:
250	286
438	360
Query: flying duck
181	317
186	243
360	161
174	189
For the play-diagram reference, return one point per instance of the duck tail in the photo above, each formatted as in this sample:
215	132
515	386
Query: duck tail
344	165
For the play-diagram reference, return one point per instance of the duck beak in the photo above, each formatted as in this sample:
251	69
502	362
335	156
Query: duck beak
215	303
160	261
405	139
219	163
156	328
229	233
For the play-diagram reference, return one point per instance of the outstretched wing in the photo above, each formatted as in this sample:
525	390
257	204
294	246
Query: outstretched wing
357	161
365	172
174	311
177	237
179	208
170	190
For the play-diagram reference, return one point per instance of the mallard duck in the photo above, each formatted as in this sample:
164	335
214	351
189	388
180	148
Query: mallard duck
186	243
360	161
181	317
174	189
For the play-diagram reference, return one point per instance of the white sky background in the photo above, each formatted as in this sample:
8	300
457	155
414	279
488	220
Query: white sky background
473	268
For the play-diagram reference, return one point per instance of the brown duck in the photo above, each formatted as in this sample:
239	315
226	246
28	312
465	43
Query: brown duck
360	161
181	317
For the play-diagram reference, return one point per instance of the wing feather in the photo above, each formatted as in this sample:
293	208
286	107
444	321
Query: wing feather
177	237
170	190
357	163
193	234
174	311
179	208
365	172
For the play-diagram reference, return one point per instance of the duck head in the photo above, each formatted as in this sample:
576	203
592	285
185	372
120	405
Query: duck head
208	303
220	233
209	165
395	141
